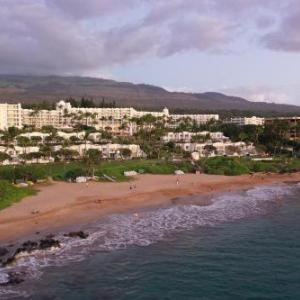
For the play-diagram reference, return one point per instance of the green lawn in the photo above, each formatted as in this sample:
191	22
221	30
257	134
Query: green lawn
10	194
116	169
63	171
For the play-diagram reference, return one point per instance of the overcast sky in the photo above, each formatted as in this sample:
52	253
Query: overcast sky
248	48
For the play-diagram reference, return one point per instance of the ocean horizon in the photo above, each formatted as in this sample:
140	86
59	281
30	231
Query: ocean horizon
243	245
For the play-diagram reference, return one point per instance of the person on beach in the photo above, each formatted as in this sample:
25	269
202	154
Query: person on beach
177	181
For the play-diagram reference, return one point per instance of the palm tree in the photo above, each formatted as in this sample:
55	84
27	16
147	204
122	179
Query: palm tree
9	135
35	140
4	156
92	158
46	151
24	142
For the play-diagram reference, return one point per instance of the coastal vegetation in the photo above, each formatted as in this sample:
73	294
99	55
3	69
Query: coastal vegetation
239	166
229	166
10	194
69	171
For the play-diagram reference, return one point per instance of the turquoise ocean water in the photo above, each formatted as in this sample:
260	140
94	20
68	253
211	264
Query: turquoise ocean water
244	245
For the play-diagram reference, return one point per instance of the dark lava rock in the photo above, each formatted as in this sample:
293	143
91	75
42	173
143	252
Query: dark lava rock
8	261
3	251
28	246
48	243
80	234
14	278
50	236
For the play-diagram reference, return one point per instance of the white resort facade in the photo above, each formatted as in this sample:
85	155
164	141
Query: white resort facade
207	144
10	115
242	121
64	114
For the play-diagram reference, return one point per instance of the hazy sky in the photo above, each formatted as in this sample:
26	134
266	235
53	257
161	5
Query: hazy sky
249	48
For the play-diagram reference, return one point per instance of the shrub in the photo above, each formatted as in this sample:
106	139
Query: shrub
73	173
224	166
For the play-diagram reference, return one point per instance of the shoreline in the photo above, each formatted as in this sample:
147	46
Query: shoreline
60	206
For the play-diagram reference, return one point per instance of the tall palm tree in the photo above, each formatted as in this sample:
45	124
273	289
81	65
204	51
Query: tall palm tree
24	142
9	136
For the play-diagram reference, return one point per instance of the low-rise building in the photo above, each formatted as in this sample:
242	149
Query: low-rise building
109	150
187	136
219	148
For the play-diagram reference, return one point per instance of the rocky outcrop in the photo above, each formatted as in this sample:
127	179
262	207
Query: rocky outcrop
29	246
79	234
14	278
3	251
48	243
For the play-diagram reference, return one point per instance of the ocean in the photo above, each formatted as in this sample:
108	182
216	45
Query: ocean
243	245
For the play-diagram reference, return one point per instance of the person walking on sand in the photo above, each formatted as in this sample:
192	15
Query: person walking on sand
177	180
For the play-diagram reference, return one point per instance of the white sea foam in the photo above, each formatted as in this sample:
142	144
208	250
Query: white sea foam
122	230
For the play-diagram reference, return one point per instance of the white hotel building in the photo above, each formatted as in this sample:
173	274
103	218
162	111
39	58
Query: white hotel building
242	121
10	115
101	118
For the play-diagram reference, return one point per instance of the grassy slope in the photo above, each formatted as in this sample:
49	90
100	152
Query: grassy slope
10	194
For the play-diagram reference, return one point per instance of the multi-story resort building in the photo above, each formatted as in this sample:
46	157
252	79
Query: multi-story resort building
242	121
293	126
206	143
10	115
64	116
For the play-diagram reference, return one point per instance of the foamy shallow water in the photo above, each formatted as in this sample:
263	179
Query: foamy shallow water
144	228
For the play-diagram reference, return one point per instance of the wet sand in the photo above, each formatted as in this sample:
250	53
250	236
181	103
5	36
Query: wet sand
61	205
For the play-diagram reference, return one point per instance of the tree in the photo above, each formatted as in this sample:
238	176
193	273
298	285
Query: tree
49	129
24	142
126	153
46	151
209	149
92	158
4	156
67	154
74	139
35	140
9	135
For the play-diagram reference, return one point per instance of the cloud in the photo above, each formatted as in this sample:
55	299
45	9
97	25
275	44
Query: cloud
82	9
81	36
273	94
286	37
196	34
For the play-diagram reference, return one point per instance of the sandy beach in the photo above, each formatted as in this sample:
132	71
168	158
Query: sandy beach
61	205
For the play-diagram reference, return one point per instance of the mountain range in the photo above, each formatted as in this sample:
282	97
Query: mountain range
33	89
